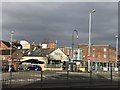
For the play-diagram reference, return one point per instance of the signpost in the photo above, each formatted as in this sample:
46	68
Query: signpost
71	60
89	57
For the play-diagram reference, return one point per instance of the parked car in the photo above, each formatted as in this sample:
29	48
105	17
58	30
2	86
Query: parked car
35	68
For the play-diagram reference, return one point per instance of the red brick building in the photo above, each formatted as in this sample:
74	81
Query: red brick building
101	55
51	45
67	51
5	48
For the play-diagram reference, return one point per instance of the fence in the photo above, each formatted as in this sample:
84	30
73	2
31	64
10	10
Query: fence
52	79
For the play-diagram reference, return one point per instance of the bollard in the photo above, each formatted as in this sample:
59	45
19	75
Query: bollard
67	75
68	84
41	78
41	75
111	72
90	74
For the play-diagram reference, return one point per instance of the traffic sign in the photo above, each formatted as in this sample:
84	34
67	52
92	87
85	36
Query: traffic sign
89	57
71	60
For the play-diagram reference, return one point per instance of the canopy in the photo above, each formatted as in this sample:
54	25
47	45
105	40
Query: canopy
34	61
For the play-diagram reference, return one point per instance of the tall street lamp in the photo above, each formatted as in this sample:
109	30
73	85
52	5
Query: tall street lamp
90	27
11	61
73	46
73	40
11	40
116	36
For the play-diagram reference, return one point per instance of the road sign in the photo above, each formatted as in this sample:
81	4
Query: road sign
71	60
89	57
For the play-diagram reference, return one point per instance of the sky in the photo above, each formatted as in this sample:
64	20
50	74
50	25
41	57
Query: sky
51	21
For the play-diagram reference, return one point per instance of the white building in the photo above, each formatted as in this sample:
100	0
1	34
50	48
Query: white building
25	44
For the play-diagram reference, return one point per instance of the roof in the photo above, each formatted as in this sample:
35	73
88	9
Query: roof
14	44
47	51
6	43
17	45
31	52
37	52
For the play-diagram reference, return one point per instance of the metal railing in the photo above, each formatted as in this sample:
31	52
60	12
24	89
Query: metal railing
53	79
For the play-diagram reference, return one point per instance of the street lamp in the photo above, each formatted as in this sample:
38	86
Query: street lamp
116	36
11	39
73	40
10	66
73	45
90	27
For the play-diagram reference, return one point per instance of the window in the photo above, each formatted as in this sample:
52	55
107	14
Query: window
105	49
68	52
105	56
93	49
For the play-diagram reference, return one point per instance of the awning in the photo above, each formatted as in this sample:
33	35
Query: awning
33	61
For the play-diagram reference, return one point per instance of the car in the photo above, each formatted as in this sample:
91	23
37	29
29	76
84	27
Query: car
34	68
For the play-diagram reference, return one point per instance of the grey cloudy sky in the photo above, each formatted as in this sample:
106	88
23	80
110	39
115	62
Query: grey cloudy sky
36	21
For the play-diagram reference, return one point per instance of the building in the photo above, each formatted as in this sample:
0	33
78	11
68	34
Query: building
50	58
101	56
10	54
51	45
67	51
5	48
4	45
25	44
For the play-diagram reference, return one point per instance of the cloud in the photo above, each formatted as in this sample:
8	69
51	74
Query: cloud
56	21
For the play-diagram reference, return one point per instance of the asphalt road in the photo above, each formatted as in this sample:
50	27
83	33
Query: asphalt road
52	79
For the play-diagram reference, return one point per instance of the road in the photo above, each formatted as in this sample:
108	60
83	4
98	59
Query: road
52	79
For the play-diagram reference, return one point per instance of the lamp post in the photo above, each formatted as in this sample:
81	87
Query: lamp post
10	66
73	46
11	39
116	36
90	27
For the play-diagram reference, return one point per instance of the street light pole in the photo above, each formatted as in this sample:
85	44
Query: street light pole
73	44
90	27
11	36
10	66
116	36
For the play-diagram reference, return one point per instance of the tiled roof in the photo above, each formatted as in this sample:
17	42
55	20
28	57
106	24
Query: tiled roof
37	52
6	43
14	45
47	51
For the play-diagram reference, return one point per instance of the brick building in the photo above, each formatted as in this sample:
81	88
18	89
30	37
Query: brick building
101	55
51	45
5	48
